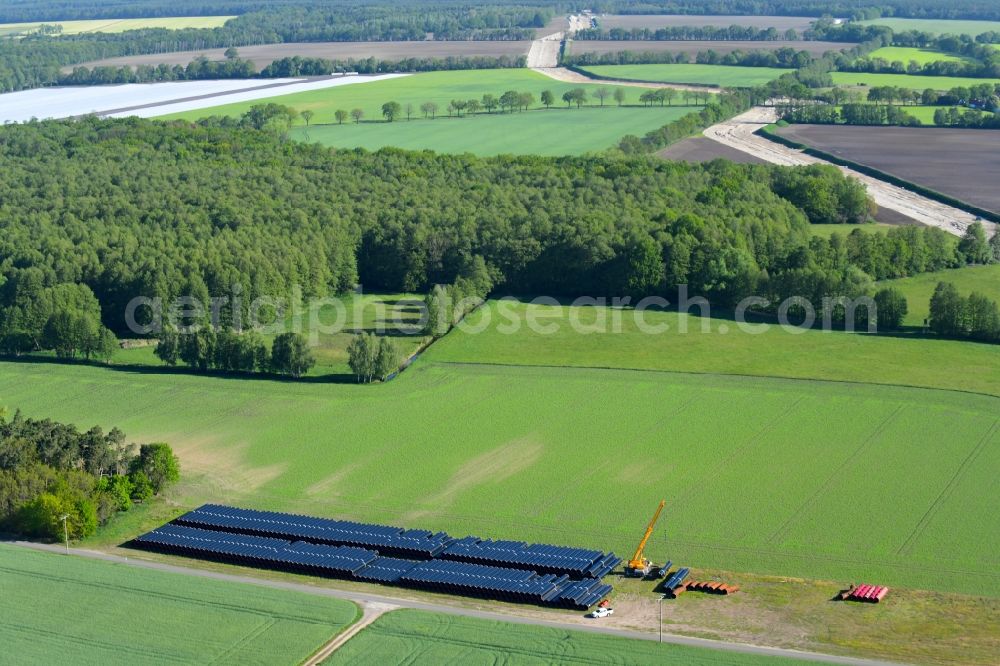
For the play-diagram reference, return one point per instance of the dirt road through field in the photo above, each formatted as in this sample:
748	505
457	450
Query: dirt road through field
739	133
569	76
371	611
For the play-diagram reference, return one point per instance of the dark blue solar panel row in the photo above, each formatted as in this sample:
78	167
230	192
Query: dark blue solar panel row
388	540
578	562
362	564
397	542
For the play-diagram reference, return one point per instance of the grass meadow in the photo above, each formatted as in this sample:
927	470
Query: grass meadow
724	349
118	25
520	452
938	26
411	636
906	54
725	76
919	289
914	82
102	613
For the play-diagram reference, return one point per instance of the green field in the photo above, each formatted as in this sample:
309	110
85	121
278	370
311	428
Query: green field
415	89
557	131
847	79
907	54
519	452
937	26
726	76
59	609
118	25
918	290
725	349
827	230
417	637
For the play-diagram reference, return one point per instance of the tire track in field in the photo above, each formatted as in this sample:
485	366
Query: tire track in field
61	637
753	441
907	547
782	529
559	495
259	630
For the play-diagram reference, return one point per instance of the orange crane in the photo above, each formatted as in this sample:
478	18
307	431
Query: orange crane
639	566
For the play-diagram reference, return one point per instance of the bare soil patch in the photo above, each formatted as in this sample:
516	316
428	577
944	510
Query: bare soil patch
963	163
654	21
701	149
264	55
693	47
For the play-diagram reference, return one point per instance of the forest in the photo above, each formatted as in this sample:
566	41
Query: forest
97	212
51	470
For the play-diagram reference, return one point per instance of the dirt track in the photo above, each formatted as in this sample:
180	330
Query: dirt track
569	76
579	47
738	133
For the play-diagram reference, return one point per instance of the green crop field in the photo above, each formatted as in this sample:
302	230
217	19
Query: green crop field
519	452
938	26
710	75
410	636
118	25
907	54
60	609
415	89
914	82
555	131
918	290
539	132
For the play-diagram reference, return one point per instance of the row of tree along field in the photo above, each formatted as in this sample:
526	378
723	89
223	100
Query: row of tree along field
50	473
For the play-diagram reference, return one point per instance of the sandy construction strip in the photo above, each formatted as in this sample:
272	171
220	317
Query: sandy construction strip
569	76
739	133
193	104
545	52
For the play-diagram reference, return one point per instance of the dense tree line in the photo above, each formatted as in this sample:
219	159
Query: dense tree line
724	106
686	33
974	317
221	348
783	57
49	470
850	114
200	68
299	66
169	210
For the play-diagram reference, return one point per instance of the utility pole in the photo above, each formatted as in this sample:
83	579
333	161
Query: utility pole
64	518
659	605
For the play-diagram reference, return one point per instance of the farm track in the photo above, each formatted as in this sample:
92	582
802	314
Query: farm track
946	492
782	530
371	611
367	598
740	133
569	76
